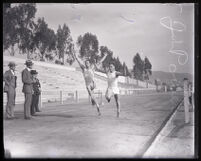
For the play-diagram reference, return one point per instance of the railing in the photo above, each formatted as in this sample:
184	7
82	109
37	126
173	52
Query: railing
137	91
126	80
74	96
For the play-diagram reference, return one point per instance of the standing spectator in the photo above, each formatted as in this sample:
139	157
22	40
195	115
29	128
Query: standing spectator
36	94
27	88
10	85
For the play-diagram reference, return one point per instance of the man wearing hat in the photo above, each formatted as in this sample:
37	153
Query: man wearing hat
36	94
10	85
27	88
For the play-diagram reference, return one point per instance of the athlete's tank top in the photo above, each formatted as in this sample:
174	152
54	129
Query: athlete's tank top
88	76
112	80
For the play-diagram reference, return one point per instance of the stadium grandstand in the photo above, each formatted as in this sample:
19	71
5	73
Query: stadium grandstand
55	78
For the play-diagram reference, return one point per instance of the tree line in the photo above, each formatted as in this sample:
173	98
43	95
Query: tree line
35	37
20	29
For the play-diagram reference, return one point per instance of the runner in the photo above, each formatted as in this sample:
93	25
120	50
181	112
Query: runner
88	73
112	89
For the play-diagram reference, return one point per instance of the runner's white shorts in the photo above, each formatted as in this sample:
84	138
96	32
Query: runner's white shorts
111	91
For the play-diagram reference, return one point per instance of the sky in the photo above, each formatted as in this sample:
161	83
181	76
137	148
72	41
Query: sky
162	32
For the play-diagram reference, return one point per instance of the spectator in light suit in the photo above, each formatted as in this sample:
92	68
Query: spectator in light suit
10	85
27	88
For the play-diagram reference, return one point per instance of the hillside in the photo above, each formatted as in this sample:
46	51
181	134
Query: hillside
167	76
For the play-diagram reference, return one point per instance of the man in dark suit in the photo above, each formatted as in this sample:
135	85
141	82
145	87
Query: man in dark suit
27	88
10	85
36	94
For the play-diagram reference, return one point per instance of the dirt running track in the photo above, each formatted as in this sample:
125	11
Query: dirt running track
75	131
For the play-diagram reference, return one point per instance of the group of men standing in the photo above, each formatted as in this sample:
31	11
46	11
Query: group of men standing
31	89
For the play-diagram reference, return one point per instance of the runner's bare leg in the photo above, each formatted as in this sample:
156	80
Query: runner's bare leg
107	96
91	94
117	104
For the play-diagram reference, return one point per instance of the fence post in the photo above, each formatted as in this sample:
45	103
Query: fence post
165	88
186	101
76	96
61	97
147	85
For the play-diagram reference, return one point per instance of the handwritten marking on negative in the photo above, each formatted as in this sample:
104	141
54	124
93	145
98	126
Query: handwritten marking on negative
182	55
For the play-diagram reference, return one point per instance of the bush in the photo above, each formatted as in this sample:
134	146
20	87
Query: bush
42	59
59	62
49	57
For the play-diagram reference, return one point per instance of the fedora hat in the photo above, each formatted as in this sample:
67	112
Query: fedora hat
28	63
11	64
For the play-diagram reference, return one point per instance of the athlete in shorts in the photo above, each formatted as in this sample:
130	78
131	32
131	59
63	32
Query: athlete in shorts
88	73
112	89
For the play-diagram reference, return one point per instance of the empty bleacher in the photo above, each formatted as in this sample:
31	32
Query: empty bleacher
55	78
52	80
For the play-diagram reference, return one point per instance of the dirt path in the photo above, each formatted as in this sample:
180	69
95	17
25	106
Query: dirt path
76	130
